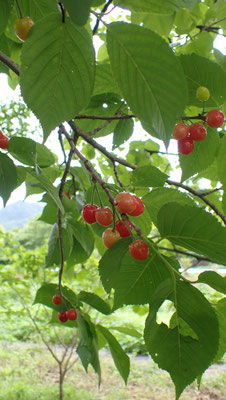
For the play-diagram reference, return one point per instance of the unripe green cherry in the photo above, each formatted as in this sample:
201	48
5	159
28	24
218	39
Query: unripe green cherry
202	93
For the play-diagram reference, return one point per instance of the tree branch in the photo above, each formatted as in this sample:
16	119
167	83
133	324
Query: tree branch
126	116
197	194
9	63
102	12
185	253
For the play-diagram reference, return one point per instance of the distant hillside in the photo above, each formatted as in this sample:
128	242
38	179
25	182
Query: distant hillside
18	214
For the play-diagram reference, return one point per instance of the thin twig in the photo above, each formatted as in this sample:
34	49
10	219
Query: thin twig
126	116
102	12
185	253
116	174
197	194
98	146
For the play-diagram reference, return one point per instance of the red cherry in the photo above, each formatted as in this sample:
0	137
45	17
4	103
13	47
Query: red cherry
215	118
197	132
62	316
1	134
71	314
3	142
22	26
185	146
88	213
139	207
125	202
110	237
122	229
56	300
180	131
139	250
104	216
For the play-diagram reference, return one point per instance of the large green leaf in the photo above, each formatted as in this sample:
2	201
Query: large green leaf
53	64
30	152
199	71
54	254
150	76
8	177
38	9
134	281
46	183
148	176
214	280
122	132
5	7
194	229
156	6
46	292
221	161
158	197
87	349
182	356
78	10
202	156
220	309
94	301
121	360
83	235
104	80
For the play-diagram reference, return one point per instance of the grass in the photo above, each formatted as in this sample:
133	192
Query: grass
28	372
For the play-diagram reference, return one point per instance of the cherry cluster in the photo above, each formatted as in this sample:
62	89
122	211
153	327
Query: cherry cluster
63	316
186	135
3	141
125	203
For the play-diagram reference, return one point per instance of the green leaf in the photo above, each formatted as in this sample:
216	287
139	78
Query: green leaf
94	301
5	7
144	222
45	182
127	331
169	347
38	9
87	349
157	98
53	255
159	23
53	64
194	229
30	152
134	281
148	176
199	71
202	156
121	360
158	197
156	6
214	280
49	214
46	292
78	10
220	309
122	132
8	177
83	235
78	254
221	161
104	80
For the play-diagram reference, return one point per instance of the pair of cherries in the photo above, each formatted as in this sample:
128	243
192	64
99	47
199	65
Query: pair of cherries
125	203
63	316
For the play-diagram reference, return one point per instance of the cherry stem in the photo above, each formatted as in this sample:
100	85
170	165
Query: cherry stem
62	11
19	9
99	197
93	194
